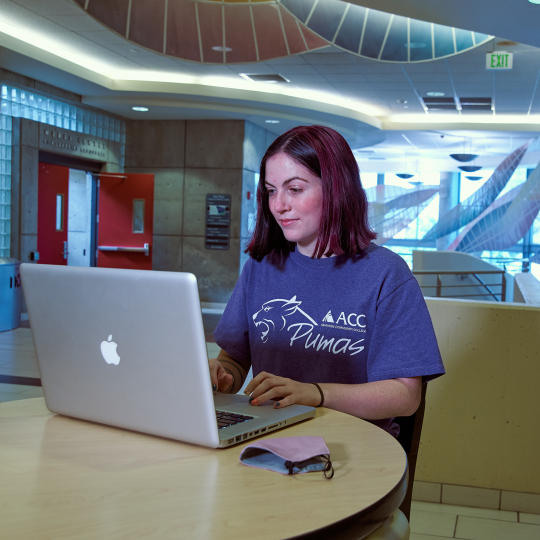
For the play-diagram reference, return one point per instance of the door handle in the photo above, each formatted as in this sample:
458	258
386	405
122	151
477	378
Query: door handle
145	249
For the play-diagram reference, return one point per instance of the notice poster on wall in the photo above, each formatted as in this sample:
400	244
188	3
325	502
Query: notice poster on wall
218	221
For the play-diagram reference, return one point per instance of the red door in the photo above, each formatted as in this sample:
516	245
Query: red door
126	214
53	186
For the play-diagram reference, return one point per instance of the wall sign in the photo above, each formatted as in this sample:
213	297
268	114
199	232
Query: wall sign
218	221
71	143
499	60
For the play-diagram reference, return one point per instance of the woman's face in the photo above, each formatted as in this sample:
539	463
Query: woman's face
295	197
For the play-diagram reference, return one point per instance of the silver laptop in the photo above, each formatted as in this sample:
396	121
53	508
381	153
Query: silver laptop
127	348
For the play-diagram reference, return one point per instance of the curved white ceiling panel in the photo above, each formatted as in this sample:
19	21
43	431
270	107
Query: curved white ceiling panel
381	36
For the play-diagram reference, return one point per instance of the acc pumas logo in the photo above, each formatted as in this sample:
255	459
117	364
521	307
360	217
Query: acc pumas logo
276	315
272	315
346	319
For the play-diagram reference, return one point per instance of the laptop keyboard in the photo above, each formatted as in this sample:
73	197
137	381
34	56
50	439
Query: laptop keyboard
226	419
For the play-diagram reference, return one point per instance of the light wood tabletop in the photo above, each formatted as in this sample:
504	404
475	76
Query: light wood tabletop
65	478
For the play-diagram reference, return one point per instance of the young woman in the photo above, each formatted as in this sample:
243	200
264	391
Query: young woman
322	314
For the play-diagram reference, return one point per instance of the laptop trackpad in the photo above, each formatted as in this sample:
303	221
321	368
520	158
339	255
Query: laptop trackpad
239	403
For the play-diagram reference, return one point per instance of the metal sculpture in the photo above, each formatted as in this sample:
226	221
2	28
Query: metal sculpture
509	222
392	208
379	35
489	216
473	206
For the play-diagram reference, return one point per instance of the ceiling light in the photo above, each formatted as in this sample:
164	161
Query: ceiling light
272	121
415	184
220	48
463	158
435	94
405	176
140	109
473	178
534	1
402	101
469	168
507	43
415	45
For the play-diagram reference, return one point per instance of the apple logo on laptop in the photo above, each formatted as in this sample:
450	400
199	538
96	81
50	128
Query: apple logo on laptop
108	350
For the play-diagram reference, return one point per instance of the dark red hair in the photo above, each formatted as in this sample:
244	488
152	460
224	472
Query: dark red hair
344	227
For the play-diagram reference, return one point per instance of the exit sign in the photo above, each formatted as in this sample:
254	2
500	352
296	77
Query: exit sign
499	60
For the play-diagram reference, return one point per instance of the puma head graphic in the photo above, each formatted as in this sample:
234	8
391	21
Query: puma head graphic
272	315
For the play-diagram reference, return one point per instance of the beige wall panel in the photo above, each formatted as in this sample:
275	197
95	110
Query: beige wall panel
167	253
167	217
155	143
216	270
29	190
214	143
201	182
480	427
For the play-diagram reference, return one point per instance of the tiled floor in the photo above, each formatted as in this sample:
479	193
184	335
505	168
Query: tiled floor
429	521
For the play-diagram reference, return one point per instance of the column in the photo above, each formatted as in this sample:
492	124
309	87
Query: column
448	198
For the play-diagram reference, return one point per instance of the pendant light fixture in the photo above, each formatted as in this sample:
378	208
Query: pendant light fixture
469	168
463	158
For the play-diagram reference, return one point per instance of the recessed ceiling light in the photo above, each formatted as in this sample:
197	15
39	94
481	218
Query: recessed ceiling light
507	43
140	109
534	1
435	94
220	48
402	101
272	121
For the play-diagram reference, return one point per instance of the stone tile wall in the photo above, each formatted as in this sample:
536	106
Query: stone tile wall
190	159
24	182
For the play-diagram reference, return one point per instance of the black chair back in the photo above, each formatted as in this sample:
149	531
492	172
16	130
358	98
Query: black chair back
409	438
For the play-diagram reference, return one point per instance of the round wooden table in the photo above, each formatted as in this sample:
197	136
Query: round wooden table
66	478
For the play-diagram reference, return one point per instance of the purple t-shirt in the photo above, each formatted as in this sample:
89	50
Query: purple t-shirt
344	319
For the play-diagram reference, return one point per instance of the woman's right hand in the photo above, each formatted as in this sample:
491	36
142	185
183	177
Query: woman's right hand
221	380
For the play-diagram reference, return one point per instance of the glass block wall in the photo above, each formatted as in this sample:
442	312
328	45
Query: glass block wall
5	184
19	103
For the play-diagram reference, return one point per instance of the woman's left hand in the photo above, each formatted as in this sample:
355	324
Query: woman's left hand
284	391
